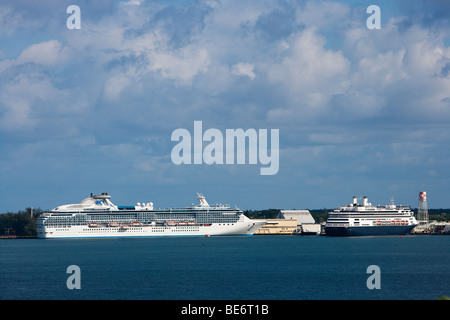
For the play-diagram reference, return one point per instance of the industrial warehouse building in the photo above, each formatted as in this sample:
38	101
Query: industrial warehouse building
291	222
278	226
302	216
305	221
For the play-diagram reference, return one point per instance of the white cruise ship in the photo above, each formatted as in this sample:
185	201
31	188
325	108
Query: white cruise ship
366	220
97	216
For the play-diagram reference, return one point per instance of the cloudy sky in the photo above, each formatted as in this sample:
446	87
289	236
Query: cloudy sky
359	111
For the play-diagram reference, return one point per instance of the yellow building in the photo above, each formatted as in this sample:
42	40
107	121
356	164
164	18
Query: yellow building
278	226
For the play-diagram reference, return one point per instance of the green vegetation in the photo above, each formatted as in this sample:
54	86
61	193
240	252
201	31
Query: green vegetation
437	214
20	223
262	214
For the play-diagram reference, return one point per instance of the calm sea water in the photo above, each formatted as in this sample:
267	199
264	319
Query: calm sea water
236	268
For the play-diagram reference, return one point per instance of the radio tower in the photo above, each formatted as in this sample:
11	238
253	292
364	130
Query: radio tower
422	211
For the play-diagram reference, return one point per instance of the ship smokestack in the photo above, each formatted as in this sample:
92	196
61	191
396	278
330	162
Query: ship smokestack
365	201
355	200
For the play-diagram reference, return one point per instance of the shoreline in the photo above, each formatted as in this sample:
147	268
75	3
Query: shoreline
18	237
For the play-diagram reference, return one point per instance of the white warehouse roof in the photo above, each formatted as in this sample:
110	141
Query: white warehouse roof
302	216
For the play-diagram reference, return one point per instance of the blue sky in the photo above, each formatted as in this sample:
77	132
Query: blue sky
359	112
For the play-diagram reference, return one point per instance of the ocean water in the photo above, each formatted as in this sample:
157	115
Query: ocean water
227	268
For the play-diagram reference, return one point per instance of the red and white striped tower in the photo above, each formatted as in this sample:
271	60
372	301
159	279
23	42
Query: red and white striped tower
422	211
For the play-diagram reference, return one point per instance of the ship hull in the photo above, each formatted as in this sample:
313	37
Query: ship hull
368	231
246	228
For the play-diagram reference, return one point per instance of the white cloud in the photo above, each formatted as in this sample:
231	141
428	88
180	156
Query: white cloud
28	100
181	65
11	20
47	54
308	66
16	117
243	69
308	75
114	86
323	14
133	3
381	70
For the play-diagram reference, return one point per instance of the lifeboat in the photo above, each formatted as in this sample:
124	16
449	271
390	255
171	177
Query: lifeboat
191	223
113	224
136	224
182	223
171	223
93	225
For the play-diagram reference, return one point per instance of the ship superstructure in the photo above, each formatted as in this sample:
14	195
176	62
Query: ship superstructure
97	216
367	220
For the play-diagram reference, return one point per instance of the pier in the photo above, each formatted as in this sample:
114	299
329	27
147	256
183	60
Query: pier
18	237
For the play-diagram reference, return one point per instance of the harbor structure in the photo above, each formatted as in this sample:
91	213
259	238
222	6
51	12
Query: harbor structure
290	222
306	225
422	211
278	227
302	216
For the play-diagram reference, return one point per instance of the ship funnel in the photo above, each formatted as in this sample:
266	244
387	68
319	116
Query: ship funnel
355	200
202	200
365	201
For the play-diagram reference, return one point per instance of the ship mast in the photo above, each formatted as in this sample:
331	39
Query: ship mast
202	200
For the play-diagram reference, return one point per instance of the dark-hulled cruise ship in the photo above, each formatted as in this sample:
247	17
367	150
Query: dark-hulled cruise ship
366	220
